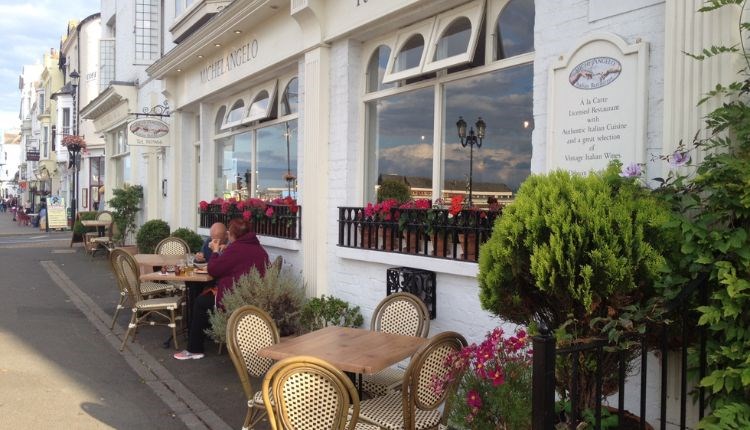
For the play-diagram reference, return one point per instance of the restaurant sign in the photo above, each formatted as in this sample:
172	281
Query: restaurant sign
148	132
32	155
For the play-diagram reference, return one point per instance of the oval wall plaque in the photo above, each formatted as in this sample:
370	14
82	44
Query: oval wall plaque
595	73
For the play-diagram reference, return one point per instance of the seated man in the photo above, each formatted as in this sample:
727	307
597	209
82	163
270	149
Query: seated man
217	232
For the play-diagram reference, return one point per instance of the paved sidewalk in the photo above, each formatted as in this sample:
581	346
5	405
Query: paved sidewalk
199	393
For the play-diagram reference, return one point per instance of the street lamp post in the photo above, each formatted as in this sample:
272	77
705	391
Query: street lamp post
74	150
471	139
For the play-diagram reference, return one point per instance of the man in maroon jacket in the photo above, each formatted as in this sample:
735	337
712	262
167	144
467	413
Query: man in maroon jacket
226	265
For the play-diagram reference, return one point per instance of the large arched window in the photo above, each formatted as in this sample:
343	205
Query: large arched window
410	130
219	121
235	114
376	69
514	30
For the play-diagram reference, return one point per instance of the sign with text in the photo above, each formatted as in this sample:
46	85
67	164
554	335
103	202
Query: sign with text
148	132
597	105
56	215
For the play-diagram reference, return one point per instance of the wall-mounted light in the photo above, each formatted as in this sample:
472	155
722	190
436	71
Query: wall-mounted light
164	188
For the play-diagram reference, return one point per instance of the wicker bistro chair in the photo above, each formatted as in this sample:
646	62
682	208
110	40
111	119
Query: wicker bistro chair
399	313
172	246
310	394
416	406
249	329
144	308
94	242
149	289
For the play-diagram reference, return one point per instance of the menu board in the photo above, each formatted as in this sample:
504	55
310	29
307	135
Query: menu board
56	215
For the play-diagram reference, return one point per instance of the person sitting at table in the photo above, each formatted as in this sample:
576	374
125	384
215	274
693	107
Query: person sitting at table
218	231
226	265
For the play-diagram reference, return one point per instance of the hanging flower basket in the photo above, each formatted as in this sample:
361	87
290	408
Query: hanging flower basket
73	142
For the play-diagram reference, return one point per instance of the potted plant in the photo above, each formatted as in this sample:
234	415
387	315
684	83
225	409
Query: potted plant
150	234
324	311
493	381
125	206
193	239
573	250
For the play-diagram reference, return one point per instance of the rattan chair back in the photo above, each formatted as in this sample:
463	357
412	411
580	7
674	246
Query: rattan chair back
427	365
104	216
309	394
401	313
129	273
116	261
172	246
250	329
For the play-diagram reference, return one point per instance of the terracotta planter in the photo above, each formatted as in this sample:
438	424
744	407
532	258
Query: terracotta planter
441	245
467	241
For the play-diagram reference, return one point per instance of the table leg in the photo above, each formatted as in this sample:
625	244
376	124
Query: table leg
357	380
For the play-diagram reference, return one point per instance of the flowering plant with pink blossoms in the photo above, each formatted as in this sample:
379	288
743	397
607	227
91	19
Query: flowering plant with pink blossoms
494	383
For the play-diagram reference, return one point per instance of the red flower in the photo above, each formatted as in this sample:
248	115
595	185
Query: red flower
246	215
456	205
473	399
497	377
203	205
269	212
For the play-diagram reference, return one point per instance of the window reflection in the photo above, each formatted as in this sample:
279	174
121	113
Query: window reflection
376	69
289	98
235	165
515	29
504	100
236	113
259	108
410	55
272	161
455	40
400	140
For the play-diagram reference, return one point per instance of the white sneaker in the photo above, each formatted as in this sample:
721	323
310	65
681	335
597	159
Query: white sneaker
187	355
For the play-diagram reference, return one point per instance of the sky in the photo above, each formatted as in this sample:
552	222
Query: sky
28	30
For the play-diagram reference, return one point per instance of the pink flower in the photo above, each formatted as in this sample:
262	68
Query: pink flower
473	399
203	205
269	212
497	376
632	170
679	159
246	215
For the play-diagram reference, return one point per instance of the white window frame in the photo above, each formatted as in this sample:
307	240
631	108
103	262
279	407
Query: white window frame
423	28
227	124
271	88
474	11
283	83
154	37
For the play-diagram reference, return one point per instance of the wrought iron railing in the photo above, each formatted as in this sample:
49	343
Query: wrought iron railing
676	336
426	232
283	224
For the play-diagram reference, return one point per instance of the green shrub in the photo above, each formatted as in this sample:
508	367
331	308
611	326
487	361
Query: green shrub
125	206
582	255
280	293
391	189
193	239
324	311
150	234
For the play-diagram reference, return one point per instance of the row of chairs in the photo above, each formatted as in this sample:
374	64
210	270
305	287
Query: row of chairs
400	400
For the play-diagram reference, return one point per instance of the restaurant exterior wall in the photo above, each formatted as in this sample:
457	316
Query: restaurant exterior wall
561	25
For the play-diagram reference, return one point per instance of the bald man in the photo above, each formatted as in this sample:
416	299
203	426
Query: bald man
218	232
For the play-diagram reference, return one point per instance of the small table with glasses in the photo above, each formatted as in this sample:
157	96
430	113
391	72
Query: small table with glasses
353	350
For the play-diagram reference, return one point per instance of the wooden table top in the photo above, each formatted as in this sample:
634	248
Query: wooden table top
95	223
148	261
349	349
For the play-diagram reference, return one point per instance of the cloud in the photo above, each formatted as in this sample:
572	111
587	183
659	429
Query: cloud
28	30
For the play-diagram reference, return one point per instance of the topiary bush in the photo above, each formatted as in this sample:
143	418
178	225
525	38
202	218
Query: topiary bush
391	189
572	252
150	234
125	205
280	293
327	310
193	239
78	228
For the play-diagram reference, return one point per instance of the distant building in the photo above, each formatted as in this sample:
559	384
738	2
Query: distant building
10	160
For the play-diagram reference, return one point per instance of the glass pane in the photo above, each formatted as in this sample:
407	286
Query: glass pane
455	40
504	100
277	161
400	141
236	113
259	108
410	55
125	169
515	29
290	98
220	118
376	69
234	155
